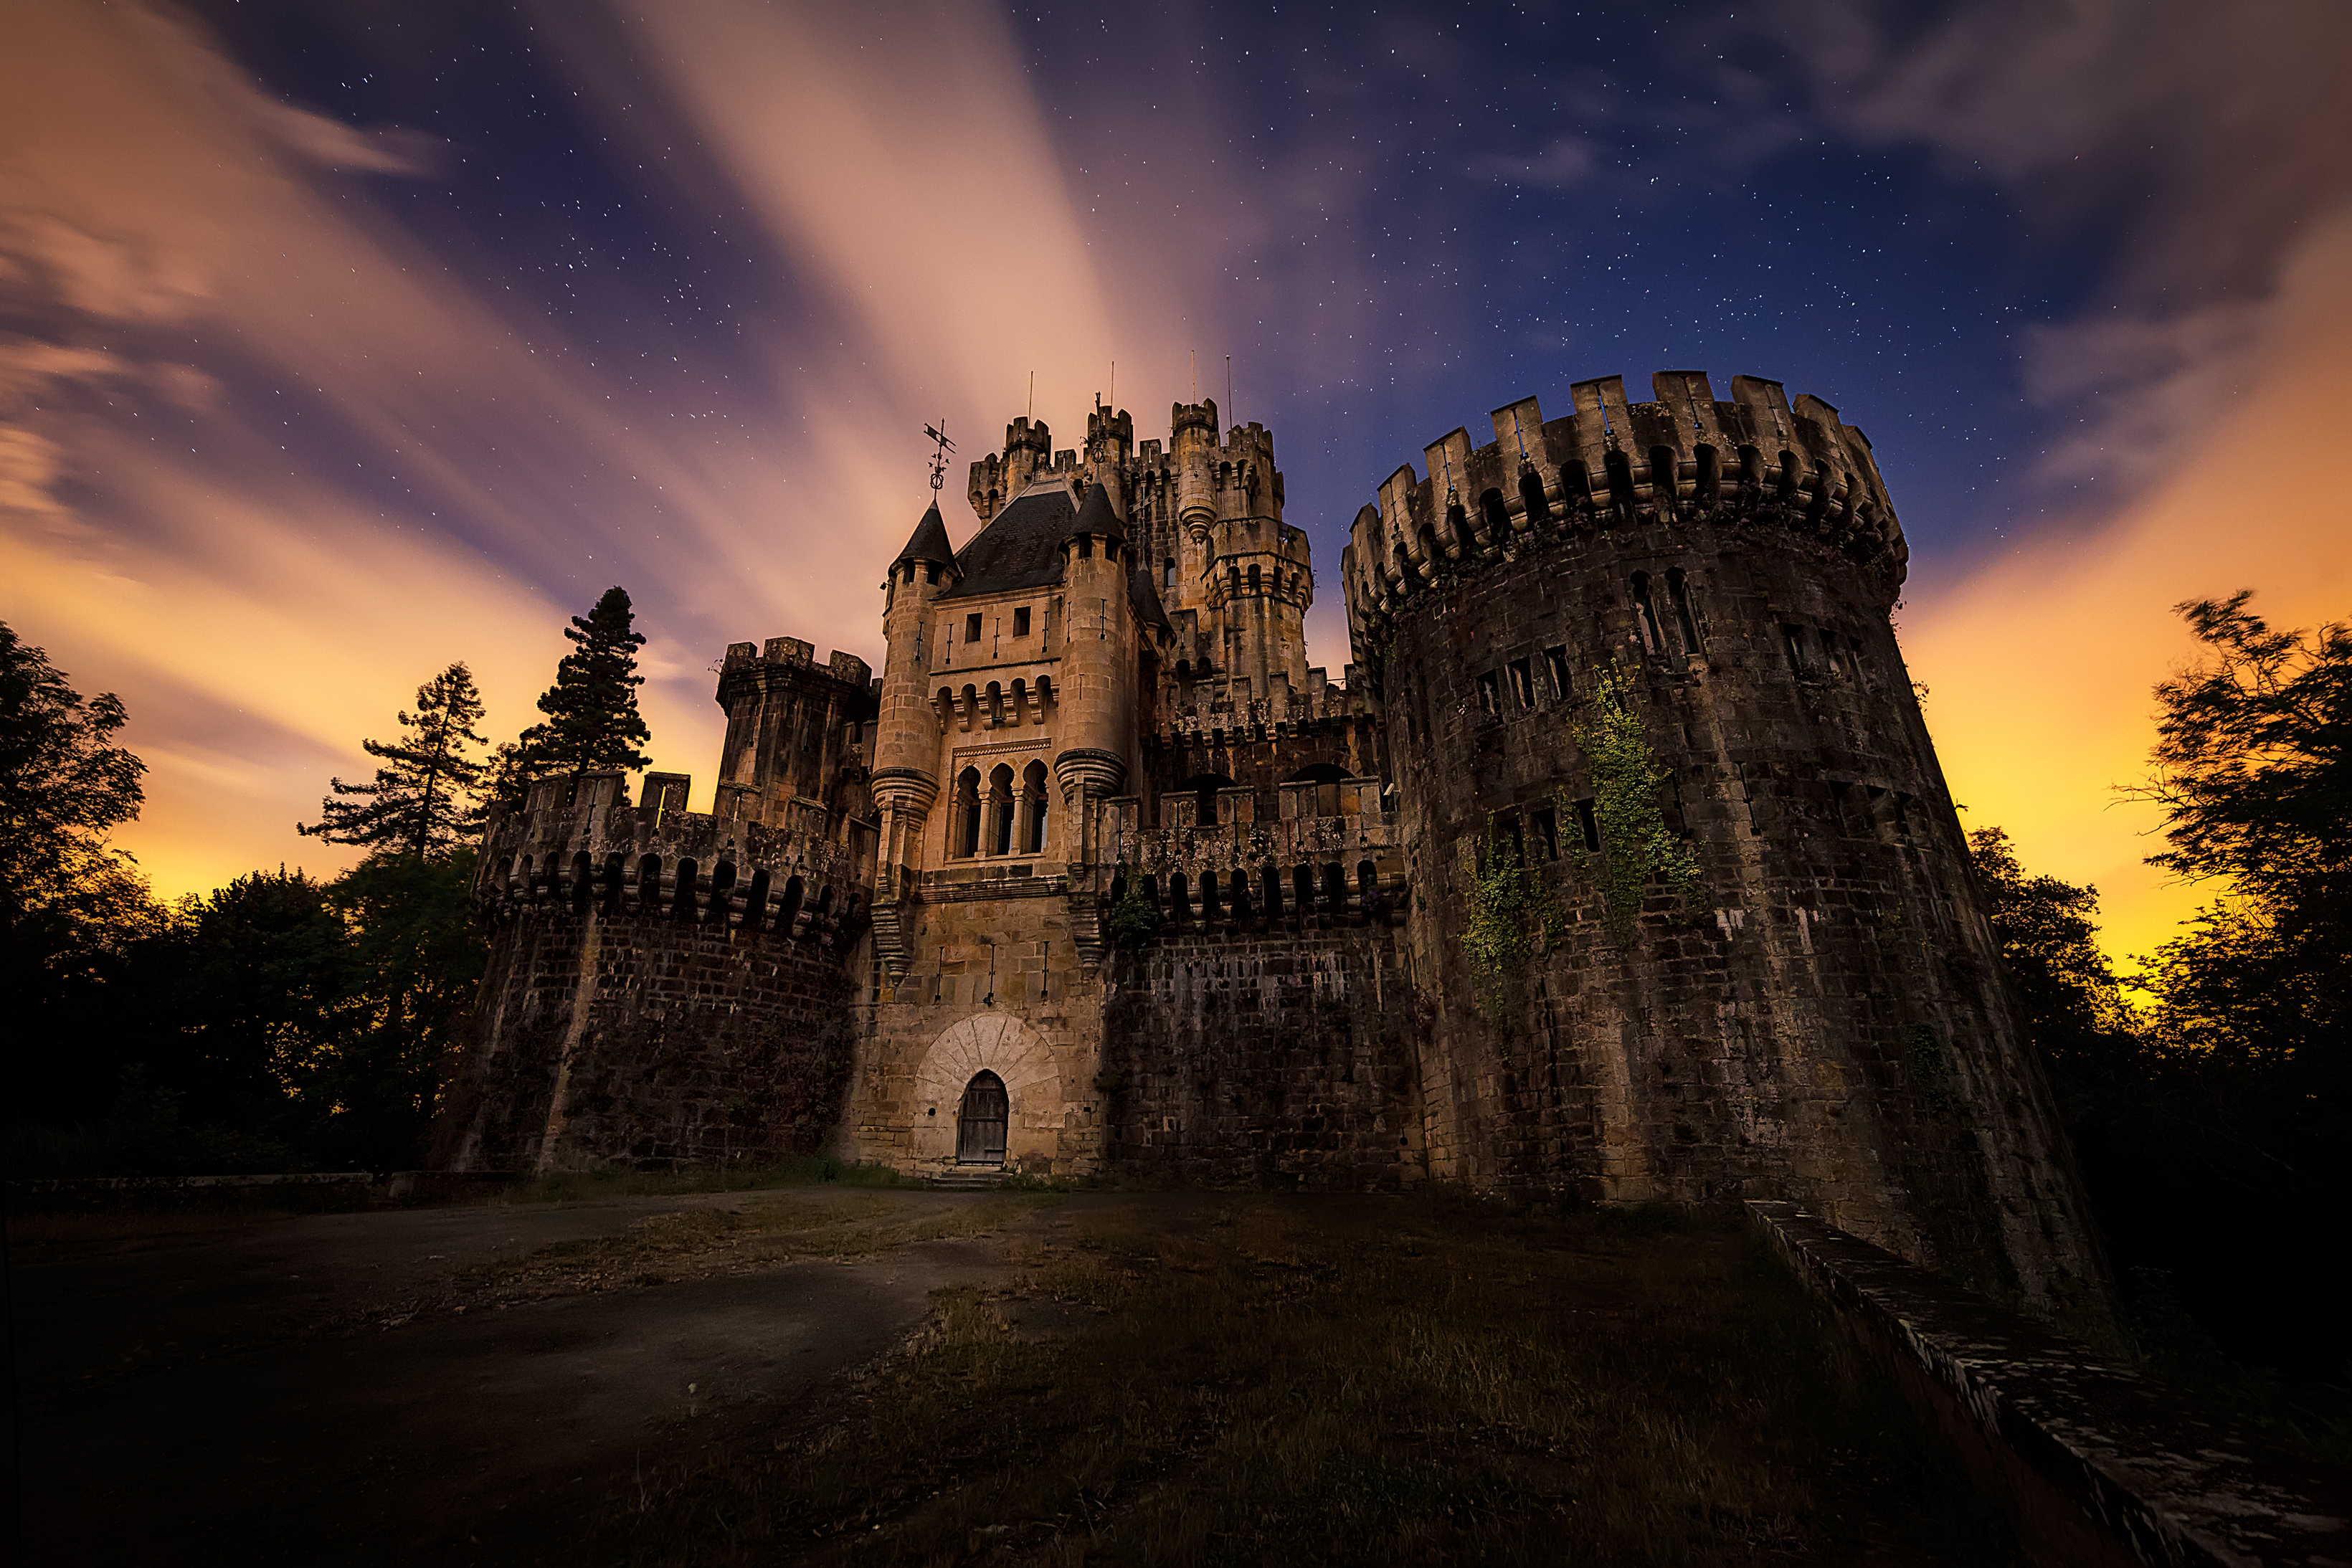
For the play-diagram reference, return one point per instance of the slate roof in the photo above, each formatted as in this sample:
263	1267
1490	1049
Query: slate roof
1021	546
1146	598
1097	518
929	541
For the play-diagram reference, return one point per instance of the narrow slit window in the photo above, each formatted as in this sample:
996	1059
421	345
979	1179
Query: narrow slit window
1545	823
1490	693
1556	666
1523	684
1589	820
1678	589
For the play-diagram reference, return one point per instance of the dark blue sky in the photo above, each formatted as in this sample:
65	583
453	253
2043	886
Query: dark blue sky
338	342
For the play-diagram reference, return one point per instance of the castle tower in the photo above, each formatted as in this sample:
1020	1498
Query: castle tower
907	739
1098	662
1816	1011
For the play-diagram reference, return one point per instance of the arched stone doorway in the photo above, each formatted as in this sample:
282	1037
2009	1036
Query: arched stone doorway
980	1121
1018	1057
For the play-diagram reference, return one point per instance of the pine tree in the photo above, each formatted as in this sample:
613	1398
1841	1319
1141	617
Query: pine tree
425	799
591	708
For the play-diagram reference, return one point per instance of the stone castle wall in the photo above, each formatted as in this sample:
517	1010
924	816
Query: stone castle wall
1282	1058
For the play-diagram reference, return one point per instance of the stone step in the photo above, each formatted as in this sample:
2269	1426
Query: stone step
970	1178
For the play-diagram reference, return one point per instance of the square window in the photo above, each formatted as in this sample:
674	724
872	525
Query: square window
971	627
1021	622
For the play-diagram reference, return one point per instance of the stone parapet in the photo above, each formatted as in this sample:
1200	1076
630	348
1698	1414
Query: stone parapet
2100	1464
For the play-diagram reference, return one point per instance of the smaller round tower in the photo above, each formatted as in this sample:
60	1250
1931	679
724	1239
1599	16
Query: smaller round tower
907	737
1098	654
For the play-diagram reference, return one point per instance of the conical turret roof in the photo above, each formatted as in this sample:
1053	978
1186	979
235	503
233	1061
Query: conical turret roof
1095	515
1146	598
930	542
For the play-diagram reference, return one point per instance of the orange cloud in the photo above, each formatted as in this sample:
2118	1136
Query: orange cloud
2041	665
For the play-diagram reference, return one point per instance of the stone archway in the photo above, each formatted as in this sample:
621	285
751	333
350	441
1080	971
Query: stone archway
988	1042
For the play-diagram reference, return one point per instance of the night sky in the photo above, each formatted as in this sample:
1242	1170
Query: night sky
340	340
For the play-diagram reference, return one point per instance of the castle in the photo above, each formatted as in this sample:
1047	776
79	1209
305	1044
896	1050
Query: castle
1099	876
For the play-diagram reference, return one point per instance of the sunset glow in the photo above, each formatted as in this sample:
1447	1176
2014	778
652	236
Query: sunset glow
336	348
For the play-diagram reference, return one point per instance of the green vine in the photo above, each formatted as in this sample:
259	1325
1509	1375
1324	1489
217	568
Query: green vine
1134	919
1635	839
1506	897
1929	1071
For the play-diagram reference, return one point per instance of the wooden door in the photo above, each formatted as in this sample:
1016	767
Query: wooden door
979	1127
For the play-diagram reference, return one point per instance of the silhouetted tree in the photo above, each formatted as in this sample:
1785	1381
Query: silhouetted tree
424	800
591	708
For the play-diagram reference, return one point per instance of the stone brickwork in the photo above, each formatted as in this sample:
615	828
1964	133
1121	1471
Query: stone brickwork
1282	1058
1095	717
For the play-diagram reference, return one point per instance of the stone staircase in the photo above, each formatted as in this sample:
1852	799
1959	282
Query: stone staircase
968	1179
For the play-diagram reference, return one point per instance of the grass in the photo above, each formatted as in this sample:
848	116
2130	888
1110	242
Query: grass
621	1181
1346	1381
759	1233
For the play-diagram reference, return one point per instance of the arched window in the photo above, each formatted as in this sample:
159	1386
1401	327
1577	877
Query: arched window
980	1120
788	914
1302	890
1678	589
1496	515
1179	899
1335	891
1033	809
1531	498
1254	581
615	869
1273	882
1619	469
1645	615
1238	891
722	891
1457	523
1708	490
1209	911
1000	809
755	902
964	822
1787	491
1168	581
583	886
1576	484
649	875
1367	883
1662	469
681	903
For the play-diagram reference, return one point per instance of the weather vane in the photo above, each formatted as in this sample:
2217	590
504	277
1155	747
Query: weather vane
939	434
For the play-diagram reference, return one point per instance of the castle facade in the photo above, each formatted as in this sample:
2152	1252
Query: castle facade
1100	876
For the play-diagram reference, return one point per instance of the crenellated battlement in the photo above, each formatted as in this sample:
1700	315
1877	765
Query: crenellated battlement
794	654
1334	853
1684	459
790	868
1230	708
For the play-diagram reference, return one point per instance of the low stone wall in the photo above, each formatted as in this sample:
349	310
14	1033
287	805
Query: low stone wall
646	1040
2102	1465
1285	1061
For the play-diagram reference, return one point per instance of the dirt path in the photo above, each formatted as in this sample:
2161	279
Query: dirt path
417	1385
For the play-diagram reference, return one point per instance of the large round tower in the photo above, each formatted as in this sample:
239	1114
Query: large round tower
1812	1007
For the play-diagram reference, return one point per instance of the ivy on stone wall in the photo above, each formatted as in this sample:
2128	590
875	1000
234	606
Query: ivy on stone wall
1506	897
1634	840
1134	920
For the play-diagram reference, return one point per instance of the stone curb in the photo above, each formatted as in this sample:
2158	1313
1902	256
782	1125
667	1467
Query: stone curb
2102	1465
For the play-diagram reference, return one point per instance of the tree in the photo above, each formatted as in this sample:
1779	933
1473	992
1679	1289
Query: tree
424	800
70	903
2253	766
591	708
2067	996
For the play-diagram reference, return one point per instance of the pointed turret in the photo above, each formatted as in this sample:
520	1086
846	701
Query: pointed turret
1097	516
930	542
